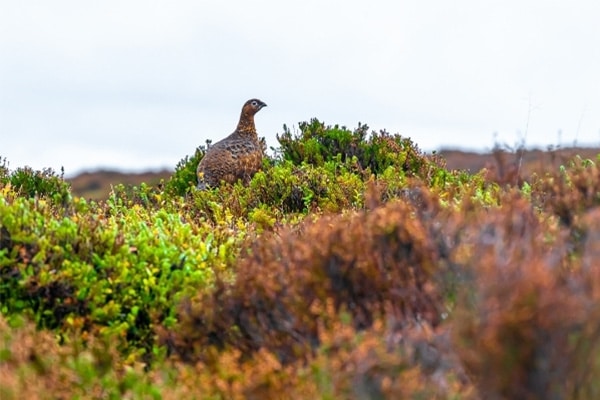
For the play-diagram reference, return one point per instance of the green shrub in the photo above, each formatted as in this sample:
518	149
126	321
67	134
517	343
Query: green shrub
351	266
374	263
317	144
184	178
30	183
115	269
4	171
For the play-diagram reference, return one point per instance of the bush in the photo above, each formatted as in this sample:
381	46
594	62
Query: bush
526	324
184	178
375	263
34	366
317	144
115	269
351	266
29	183
569	193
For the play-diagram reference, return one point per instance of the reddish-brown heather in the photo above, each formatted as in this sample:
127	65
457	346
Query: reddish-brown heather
526	325
367	264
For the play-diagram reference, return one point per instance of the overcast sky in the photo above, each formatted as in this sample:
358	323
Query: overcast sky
139	84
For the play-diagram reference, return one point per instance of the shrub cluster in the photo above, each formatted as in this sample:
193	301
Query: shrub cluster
112	269
351	266
371	264
29	183
317	143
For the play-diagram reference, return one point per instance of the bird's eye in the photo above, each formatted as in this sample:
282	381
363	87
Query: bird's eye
254	103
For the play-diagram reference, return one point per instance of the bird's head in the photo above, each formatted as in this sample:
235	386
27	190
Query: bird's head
253	106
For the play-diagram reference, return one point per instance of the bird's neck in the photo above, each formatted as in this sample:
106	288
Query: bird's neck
246	125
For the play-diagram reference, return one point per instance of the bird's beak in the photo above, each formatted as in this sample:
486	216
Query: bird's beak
262	104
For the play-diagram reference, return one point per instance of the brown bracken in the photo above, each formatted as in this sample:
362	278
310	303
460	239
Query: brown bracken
238	156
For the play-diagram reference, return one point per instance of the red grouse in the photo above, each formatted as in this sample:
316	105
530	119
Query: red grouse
238	156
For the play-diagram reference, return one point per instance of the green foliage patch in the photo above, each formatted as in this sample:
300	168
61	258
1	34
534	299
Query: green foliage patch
352	265
113	269
317	143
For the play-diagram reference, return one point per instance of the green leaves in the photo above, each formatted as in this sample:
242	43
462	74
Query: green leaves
317	144
184	177
117	268
30	183
236	276
120	267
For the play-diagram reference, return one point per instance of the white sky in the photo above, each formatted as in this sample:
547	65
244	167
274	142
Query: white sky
137	84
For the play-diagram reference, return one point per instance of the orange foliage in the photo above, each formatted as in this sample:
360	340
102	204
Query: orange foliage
369	264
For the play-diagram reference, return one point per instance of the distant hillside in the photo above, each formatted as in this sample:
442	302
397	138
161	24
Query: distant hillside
533	160
97	185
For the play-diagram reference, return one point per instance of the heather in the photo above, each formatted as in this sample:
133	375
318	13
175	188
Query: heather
353	265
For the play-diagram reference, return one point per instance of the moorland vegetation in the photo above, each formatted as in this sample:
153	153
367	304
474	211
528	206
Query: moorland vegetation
352	265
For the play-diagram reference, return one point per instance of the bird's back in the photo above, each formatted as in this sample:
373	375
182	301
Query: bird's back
238	156
228	160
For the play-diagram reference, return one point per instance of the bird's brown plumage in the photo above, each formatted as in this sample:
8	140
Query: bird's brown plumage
238	156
